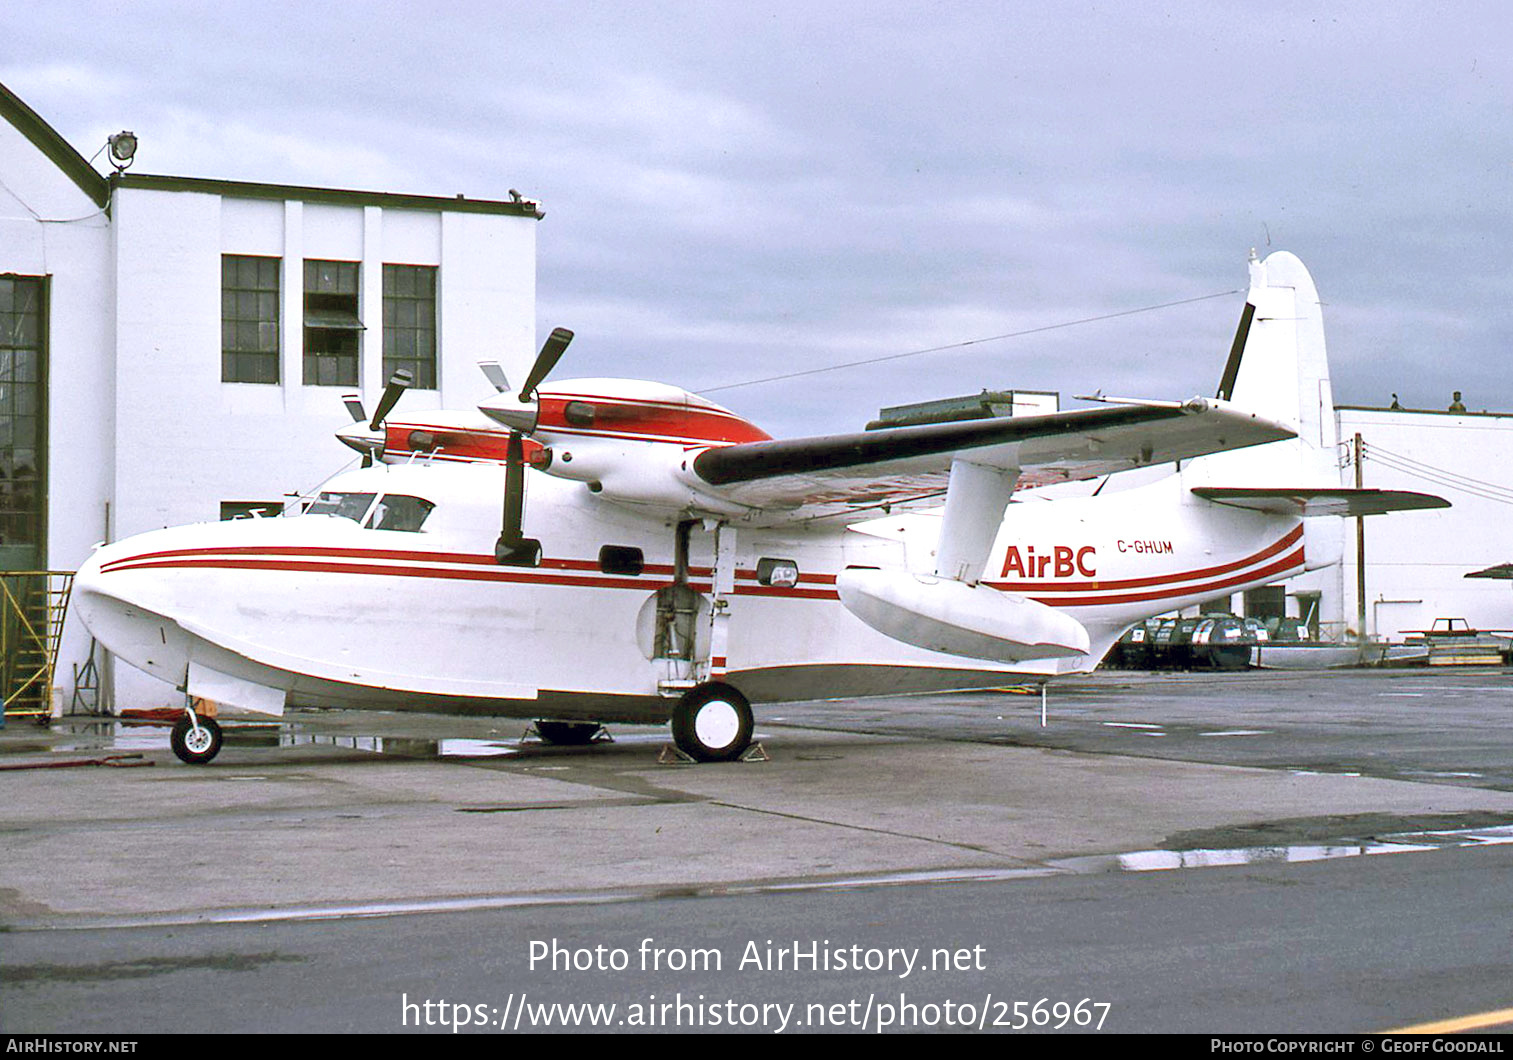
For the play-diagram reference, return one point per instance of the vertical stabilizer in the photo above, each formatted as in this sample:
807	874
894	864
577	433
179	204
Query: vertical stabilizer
1278	367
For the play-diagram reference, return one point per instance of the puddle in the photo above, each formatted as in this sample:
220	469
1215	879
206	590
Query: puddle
1401	843
1440	773
457	746
94	736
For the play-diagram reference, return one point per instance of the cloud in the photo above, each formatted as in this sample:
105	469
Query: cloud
735	191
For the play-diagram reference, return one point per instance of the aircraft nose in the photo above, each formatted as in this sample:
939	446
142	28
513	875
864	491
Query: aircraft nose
107	603
89	579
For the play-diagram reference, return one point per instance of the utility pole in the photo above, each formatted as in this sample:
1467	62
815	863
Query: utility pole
1360	549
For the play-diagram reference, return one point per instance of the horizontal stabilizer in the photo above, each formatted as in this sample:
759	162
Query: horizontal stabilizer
1312	502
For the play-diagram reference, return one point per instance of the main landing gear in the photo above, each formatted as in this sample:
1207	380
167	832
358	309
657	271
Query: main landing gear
712	723
195	739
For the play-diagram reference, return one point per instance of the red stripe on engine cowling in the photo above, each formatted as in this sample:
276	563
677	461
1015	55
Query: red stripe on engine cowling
646	419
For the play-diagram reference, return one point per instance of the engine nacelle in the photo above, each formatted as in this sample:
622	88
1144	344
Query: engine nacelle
651	474
941	614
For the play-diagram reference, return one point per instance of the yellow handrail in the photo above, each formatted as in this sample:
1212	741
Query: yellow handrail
33	605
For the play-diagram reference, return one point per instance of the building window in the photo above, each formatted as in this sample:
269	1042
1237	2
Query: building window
332	327
23	421
410	322
249	319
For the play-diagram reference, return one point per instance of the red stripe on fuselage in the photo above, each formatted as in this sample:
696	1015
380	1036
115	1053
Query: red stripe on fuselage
1287	541
489	574
1293	560
478	567
309	551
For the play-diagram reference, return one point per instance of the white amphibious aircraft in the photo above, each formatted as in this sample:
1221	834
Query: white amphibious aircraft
613	550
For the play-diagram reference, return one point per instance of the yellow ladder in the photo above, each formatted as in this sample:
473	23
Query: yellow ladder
33	606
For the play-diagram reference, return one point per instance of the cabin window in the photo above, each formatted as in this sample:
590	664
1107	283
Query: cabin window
395	511
333	329
249	319
621	559
347	505
780	573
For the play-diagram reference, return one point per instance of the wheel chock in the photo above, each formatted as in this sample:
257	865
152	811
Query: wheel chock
672	756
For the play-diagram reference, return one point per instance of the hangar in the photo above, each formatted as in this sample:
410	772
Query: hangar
1416	563
175	349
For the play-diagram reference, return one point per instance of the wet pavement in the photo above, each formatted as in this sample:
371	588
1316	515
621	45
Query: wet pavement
335	810
1201	852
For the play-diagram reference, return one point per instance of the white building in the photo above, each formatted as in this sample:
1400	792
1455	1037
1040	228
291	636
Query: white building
1417	562
174	350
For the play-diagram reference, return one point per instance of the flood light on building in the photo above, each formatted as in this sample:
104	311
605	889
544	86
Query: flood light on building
123	148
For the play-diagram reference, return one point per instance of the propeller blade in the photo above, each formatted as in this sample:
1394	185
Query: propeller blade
354	407
551	352
514	490
495	375
399	382
513	548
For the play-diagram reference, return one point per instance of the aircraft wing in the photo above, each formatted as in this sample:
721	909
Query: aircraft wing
813	477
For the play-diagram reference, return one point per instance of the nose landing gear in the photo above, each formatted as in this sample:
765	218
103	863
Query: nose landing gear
196	740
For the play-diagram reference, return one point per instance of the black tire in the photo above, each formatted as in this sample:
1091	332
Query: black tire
712	723
196	749
568	733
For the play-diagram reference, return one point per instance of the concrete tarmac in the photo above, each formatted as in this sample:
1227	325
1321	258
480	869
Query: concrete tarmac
338	813
358	871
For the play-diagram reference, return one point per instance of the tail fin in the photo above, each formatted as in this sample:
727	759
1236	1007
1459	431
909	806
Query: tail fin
1278	365
1279	369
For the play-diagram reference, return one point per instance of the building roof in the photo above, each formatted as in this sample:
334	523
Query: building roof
47	140
1483	413
337	196
99	188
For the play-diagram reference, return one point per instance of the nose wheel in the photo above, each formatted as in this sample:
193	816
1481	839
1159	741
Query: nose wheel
712	723
194	739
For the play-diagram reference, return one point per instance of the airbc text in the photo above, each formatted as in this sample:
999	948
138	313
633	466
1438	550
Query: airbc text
1061	561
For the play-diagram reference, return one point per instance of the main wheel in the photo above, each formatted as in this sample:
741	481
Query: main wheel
712	723
568	733
196	745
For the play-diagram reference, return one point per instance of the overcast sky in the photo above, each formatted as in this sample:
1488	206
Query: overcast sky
740	190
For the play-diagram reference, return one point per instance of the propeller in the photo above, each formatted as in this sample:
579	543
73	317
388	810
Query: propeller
551	352
513	547
399	382
495	375
368	440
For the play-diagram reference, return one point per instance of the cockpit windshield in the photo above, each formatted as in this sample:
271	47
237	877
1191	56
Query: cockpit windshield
395	511
347	505
392	511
